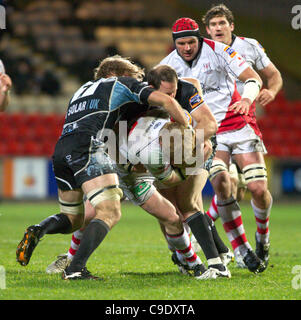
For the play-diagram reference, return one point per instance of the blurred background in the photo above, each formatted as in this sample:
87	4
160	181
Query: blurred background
49	48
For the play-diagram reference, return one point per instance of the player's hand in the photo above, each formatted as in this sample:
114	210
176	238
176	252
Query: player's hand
207	149
5	83
265	97
241	106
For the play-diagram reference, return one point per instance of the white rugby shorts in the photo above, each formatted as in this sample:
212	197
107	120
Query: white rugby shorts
239	141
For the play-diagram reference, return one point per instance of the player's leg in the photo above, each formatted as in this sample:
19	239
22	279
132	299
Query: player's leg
225	254
229	211
238	185
254	169
68	220
104	194
139	189
64	260
174	232
212	212
189	202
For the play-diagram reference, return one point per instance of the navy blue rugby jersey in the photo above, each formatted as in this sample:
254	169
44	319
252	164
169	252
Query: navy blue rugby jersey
188	96
98	104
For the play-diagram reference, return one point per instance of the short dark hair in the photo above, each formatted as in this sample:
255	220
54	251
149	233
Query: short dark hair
218	11
161	73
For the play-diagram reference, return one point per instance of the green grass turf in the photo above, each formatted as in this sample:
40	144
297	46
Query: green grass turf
135	262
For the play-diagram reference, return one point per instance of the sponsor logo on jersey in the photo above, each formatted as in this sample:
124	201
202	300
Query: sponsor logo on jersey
141	188
195	100
231	52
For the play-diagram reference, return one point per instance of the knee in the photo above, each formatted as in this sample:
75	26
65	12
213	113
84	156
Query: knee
106	205
258	189
110	213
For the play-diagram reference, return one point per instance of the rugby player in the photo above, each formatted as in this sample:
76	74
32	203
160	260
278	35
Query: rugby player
217	66
82	167
219	23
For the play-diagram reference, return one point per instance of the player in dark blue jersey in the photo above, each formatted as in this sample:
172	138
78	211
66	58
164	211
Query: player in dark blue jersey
81	165
164	78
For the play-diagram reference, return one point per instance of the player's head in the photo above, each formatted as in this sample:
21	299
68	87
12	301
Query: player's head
117	66
219	23
164	79
186	35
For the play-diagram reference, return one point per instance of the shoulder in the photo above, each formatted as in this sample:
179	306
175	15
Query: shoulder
209	43
130	82
214	46
185	84
187	88
171	57
251	41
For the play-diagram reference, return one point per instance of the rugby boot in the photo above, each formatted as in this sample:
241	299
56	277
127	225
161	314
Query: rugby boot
253	263
262	252
183	268
83	274
201	273
59	265
227	257
30	240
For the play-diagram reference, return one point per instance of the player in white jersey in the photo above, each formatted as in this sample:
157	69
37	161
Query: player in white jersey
187	197
217	66
219	23
5	86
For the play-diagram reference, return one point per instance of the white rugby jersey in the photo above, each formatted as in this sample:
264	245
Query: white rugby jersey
144	146
253	52
216	67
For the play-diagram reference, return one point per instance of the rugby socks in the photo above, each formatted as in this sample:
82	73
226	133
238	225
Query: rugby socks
202	232
93	235
230	214
212	212
220	246
262	222
75	242
181	242
58	223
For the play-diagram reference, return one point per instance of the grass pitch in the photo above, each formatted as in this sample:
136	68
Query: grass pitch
136	264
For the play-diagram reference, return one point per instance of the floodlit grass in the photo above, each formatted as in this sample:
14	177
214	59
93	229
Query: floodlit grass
135	263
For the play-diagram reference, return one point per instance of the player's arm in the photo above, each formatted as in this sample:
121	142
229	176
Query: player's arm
274	83
171	105
252	88
5	86
203	116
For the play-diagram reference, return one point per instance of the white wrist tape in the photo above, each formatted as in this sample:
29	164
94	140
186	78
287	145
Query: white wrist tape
251	89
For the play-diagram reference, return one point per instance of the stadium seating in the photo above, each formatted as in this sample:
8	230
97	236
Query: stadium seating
281	127
70	35
29	134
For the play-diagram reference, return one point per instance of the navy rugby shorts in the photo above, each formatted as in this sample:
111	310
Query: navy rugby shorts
79	158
